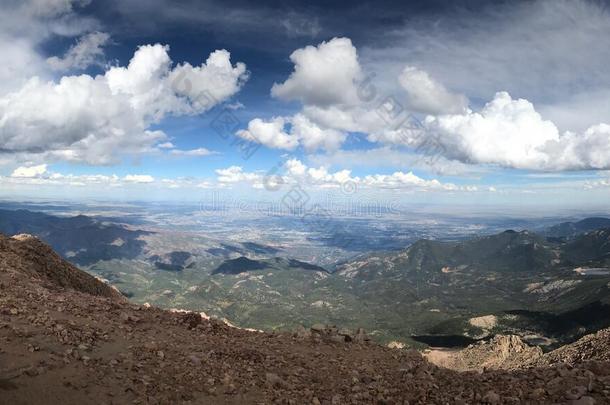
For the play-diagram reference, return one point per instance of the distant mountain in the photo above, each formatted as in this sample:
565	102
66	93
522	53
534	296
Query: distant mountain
173	261
520	279
239	265
572	229
590	249
508	251
244	264
81	239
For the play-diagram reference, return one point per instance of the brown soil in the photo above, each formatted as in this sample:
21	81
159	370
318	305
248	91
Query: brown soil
59	344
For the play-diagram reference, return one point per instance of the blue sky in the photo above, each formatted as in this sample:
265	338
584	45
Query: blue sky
505	103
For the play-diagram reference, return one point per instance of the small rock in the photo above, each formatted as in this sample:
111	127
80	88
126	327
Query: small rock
318	328
301	332
491	398
276	381
337	338
576	392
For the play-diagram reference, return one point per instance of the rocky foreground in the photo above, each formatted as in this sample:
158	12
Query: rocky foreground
67	338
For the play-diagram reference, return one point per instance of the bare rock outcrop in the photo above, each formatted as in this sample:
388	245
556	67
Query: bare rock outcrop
502	352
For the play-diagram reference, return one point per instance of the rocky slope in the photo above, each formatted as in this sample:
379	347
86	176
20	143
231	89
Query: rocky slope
594	347
499	353
26	255
66	338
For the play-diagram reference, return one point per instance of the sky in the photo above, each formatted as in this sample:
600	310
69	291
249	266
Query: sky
463	102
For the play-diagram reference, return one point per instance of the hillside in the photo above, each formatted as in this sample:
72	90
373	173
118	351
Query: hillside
571	229
61	344
25	254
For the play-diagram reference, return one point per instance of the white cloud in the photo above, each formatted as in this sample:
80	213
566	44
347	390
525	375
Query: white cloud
236	174
210	83
511	133
398	180
295	172
166	145
29	171
323	75
33	177
326	81
192	152
139	178
302	132
427	95
505	132
329	82
86	52
313	137
97	120
269	133
235	106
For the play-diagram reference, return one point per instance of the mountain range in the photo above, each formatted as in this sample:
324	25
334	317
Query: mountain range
548	287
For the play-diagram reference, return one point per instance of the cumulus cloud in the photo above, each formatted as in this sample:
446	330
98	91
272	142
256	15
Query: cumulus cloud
326	74
293	171
511	133
270	133
29	171
139	178
210	83
87	51
97	119
325	77
429	96
504	132
314	137
236	174
275	134
329	82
